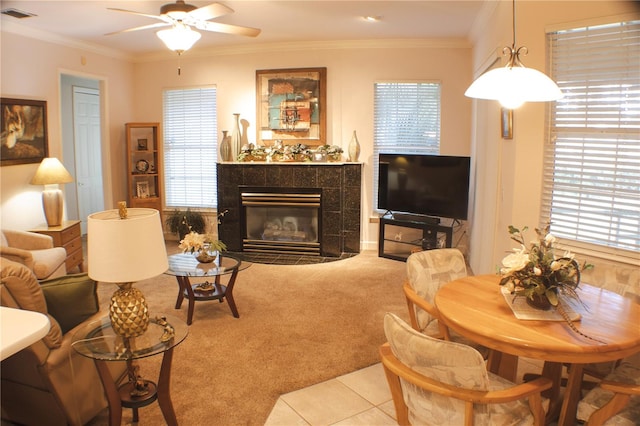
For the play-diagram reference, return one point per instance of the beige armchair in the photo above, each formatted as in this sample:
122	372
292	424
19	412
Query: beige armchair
616	400
438	382
427	271
49	382
35	251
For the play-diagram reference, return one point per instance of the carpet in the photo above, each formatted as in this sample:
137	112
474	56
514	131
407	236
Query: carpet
299	325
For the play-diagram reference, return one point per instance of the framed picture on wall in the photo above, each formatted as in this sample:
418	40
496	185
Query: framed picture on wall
24	131
291	106
506	123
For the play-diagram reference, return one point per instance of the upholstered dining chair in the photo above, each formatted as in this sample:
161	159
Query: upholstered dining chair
427	271
438	382
616	399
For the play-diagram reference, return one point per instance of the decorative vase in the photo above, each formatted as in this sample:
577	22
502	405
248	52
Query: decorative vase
236	137
244	138
354	148
225	147
539	301
205	255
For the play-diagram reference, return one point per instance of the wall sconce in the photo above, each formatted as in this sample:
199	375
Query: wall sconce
51	173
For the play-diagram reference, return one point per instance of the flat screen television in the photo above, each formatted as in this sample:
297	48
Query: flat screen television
429	185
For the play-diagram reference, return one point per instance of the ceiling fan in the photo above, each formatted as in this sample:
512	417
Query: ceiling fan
181	17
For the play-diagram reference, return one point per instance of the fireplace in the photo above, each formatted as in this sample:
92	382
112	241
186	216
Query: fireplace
338	220
284	221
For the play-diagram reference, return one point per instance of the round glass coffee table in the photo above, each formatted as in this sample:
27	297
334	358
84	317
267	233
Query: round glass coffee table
98	341
184	266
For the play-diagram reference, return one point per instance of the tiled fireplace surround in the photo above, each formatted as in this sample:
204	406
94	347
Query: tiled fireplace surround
340	184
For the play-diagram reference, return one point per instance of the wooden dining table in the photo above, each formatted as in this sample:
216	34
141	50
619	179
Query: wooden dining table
476	308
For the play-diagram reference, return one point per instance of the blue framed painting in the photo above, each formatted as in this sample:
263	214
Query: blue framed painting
291	106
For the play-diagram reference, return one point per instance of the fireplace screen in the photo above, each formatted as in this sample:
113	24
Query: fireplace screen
281	222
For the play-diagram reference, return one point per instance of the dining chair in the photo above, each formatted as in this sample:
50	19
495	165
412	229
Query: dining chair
434	381
427	271
616	399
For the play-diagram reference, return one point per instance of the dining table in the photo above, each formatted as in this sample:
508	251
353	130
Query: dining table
607	328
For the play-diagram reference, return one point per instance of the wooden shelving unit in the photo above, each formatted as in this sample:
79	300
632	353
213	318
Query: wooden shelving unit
144	165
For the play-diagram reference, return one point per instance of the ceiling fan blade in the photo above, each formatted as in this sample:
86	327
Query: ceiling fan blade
227	29
144	27
162	18
211	11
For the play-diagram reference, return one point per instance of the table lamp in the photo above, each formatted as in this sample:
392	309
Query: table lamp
51	173
124	246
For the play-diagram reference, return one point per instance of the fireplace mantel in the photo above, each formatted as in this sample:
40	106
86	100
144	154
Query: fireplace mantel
340	183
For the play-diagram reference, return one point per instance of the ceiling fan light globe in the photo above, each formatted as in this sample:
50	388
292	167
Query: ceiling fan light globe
180	38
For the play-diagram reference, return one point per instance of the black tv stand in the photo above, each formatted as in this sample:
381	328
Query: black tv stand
410	217
402	234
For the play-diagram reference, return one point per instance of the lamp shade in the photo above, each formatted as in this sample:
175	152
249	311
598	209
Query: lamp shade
179	38
512	86
126	250
51	171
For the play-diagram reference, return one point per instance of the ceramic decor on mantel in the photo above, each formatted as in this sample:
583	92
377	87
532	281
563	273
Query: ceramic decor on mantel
354	148
225	147
236	137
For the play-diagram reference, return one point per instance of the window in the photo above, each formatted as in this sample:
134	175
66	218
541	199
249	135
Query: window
406	121
190	147
592	159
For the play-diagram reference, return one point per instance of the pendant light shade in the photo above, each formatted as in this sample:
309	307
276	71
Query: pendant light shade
179	38
514	84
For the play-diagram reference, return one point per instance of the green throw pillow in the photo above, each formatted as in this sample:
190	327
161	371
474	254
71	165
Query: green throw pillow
71	299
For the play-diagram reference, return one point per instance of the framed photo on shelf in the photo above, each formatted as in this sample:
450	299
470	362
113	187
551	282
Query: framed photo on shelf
142	145
506	123
24	131
142	189
291	106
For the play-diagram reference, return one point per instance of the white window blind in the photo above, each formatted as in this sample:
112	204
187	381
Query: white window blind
592	159
406	121
190	147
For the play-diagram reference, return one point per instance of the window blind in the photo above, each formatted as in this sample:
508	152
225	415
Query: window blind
406	121
591	190
190	147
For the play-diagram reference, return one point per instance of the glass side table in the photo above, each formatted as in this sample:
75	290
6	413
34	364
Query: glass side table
183	266
97	341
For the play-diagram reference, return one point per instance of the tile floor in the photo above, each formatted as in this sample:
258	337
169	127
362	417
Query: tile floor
358	398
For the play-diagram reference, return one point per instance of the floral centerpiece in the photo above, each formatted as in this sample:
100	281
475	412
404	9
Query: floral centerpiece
204	245
333	152
251	152
537	273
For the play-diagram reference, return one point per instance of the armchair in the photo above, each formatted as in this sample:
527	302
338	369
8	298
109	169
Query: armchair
439	382
35	251
616	400
427	271
48	382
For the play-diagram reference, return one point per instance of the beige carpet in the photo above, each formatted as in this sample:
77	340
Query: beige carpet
299	325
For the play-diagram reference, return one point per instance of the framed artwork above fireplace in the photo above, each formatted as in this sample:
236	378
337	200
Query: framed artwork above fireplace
291	106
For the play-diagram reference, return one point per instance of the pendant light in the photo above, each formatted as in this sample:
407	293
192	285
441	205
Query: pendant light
514	84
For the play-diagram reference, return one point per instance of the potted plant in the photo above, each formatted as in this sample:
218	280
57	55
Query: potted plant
181	222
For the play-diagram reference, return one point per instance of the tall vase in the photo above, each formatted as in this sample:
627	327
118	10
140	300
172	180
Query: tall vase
236	137
354	148
225	147
244	139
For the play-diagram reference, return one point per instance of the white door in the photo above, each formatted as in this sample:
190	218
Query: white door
88	160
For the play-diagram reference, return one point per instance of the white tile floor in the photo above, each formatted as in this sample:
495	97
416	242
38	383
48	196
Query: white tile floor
358	398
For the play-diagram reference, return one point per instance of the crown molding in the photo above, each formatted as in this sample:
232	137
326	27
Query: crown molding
14	28
244	49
